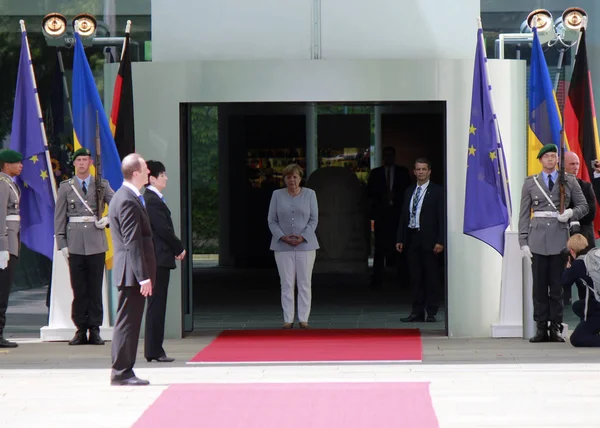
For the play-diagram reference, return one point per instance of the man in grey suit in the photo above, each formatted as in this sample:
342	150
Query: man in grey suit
134	268
543	237
81	237
10	195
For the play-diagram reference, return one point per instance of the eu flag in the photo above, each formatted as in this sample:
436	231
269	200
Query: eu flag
486	213
28	137
87	106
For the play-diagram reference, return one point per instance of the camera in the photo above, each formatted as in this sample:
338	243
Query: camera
565	254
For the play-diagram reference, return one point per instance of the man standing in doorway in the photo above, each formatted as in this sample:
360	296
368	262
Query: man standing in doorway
385	189
81	237
422	234
543	237
10	224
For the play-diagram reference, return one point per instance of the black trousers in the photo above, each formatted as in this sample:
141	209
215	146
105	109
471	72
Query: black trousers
6	279
547	290
126	332
424	274
86	280
586	334
385	232
154	334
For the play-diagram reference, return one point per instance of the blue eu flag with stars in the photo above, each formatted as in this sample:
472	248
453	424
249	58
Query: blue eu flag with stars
486	213
27	137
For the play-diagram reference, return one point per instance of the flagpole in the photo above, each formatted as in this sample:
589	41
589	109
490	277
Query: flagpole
39	110
127	31
499	149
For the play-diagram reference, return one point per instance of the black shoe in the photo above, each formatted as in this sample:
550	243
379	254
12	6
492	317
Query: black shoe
6	344
79	339
164	359
555	333
131	381
431	318
540	336
95	338
413	318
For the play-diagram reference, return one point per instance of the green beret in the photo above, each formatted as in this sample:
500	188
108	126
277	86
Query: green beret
548	148
81	152
10	156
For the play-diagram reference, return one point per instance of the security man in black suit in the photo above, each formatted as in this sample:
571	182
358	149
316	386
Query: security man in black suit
385	190
167	248
422	234
585	225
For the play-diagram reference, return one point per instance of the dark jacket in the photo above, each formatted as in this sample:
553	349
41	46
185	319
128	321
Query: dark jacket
166	244
432	221
377	190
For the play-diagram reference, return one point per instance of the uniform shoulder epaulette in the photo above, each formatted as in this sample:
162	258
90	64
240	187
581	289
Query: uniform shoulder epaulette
530	176
67	181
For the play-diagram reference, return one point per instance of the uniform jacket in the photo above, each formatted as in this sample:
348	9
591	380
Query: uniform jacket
166	244
130	228
81	238
10	195
546	235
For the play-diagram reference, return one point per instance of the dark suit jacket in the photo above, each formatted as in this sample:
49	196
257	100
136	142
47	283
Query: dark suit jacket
377	189
130	228
588	192
431	220
166	244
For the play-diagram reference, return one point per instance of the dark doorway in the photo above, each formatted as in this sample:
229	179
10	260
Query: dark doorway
239	286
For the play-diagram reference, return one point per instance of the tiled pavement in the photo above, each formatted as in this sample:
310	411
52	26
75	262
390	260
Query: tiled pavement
474	383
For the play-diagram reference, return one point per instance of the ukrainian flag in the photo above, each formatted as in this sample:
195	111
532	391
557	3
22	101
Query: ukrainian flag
86	104
544	115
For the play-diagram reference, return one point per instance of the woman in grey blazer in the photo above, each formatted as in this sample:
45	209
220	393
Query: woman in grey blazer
293	217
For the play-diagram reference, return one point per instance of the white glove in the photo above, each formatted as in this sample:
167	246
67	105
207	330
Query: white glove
65	252
102	223
526	251
564	217
4	256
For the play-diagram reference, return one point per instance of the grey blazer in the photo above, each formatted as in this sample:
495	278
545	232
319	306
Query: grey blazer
546	235
130	228
81	238
10	195
293	216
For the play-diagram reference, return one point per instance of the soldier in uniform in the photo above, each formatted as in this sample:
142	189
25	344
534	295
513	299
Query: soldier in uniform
543	237
81	237
10	166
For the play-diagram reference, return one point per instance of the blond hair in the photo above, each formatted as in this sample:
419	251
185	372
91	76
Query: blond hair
292	168
577	243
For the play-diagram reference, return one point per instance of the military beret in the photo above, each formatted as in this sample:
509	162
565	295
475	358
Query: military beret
10	156
548	148
81	152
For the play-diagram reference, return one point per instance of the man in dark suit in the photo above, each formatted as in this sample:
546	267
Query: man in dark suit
385	189
134	267
585	225
422	234
167	249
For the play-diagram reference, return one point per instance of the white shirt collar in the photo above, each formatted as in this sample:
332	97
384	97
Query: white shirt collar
424	185
155	190
134	189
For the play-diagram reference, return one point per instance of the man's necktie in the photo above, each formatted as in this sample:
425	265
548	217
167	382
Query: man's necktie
84	188
550	183
413	213
142	200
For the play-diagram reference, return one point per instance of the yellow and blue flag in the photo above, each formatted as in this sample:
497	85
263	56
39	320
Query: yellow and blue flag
28	137
544	115
486	215
87	106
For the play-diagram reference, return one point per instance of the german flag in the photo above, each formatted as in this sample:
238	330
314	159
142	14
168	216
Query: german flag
580	117
121	116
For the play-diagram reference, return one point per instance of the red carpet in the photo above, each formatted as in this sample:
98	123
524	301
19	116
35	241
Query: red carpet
270	346
308	405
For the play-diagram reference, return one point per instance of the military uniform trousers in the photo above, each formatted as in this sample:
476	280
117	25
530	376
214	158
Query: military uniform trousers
87	273
547	289
6	279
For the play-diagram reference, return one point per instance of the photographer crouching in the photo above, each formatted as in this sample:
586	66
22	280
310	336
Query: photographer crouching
577	270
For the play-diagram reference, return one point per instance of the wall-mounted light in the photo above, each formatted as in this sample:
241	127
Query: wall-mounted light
569	25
